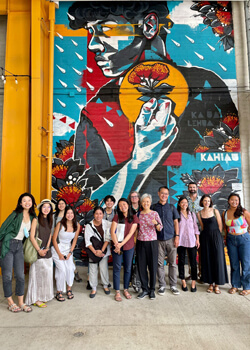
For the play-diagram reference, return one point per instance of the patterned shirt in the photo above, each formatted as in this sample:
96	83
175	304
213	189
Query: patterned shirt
194	207
147	231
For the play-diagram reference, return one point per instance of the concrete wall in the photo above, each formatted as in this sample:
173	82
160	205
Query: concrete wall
241	29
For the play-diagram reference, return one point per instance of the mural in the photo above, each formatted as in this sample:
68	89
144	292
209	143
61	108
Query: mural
144	96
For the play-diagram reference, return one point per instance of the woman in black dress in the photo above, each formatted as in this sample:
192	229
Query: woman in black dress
213	264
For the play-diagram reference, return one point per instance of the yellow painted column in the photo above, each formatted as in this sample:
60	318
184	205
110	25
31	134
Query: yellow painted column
16	111
36	101
50	97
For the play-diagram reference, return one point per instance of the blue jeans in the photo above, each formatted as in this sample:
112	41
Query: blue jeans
239	252
127	257
13	259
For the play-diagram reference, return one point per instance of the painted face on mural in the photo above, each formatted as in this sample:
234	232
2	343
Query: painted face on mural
116	44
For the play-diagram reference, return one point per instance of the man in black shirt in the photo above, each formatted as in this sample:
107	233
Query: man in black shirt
168	240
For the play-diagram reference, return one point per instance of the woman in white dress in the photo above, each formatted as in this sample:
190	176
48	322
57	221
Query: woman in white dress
40	288
67	230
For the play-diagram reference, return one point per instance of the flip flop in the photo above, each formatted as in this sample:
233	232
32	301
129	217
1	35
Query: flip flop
42	305
14	308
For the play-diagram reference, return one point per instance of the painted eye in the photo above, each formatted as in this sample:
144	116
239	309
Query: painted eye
106	29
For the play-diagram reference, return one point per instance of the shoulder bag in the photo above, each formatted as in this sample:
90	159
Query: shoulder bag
97	245
29	251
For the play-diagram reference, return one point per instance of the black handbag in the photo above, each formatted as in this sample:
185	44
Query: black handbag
97	245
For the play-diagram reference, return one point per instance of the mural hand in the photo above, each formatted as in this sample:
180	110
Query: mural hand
155	130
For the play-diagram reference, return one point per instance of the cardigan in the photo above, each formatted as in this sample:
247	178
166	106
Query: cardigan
9	230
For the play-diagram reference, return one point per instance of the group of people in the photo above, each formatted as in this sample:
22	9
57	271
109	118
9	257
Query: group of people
135	230
23	222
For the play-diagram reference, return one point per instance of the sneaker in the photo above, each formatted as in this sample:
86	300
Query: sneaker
152	295
161	291
174	290
142	295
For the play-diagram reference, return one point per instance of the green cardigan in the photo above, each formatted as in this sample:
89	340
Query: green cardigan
10	229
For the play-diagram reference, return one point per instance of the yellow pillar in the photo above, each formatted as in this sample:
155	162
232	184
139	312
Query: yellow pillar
36	101
16	125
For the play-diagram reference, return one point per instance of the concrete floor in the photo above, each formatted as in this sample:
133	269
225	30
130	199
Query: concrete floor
189	320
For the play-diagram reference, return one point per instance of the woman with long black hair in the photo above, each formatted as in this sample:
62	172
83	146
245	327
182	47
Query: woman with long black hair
189	240
236	220
67	230
12	233
213	263
40	288
122	232
61	205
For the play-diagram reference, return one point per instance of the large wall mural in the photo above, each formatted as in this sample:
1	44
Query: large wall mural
144	96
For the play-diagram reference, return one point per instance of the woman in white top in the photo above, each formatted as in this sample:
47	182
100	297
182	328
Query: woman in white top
57	217
12	233
67	230
96	228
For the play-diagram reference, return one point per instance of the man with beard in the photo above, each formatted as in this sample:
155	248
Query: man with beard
193	199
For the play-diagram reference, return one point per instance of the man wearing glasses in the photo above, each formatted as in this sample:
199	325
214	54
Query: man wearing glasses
168	241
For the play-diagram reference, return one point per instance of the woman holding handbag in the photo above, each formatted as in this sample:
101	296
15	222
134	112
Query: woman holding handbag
67	230
40	287
12	233
97	244
124	225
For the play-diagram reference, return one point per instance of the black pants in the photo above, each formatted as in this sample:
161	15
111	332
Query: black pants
192	253
147	259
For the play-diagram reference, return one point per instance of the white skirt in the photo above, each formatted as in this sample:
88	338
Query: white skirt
40	286
64	271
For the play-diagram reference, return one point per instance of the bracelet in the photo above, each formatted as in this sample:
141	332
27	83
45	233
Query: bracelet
177	235
70	252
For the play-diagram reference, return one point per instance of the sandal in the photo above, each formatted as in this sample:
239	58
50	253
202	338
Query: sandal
245	292
217	290
210	289
127	294
233	290
118	296
14	308
41	305
26	308
59	296
70	295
